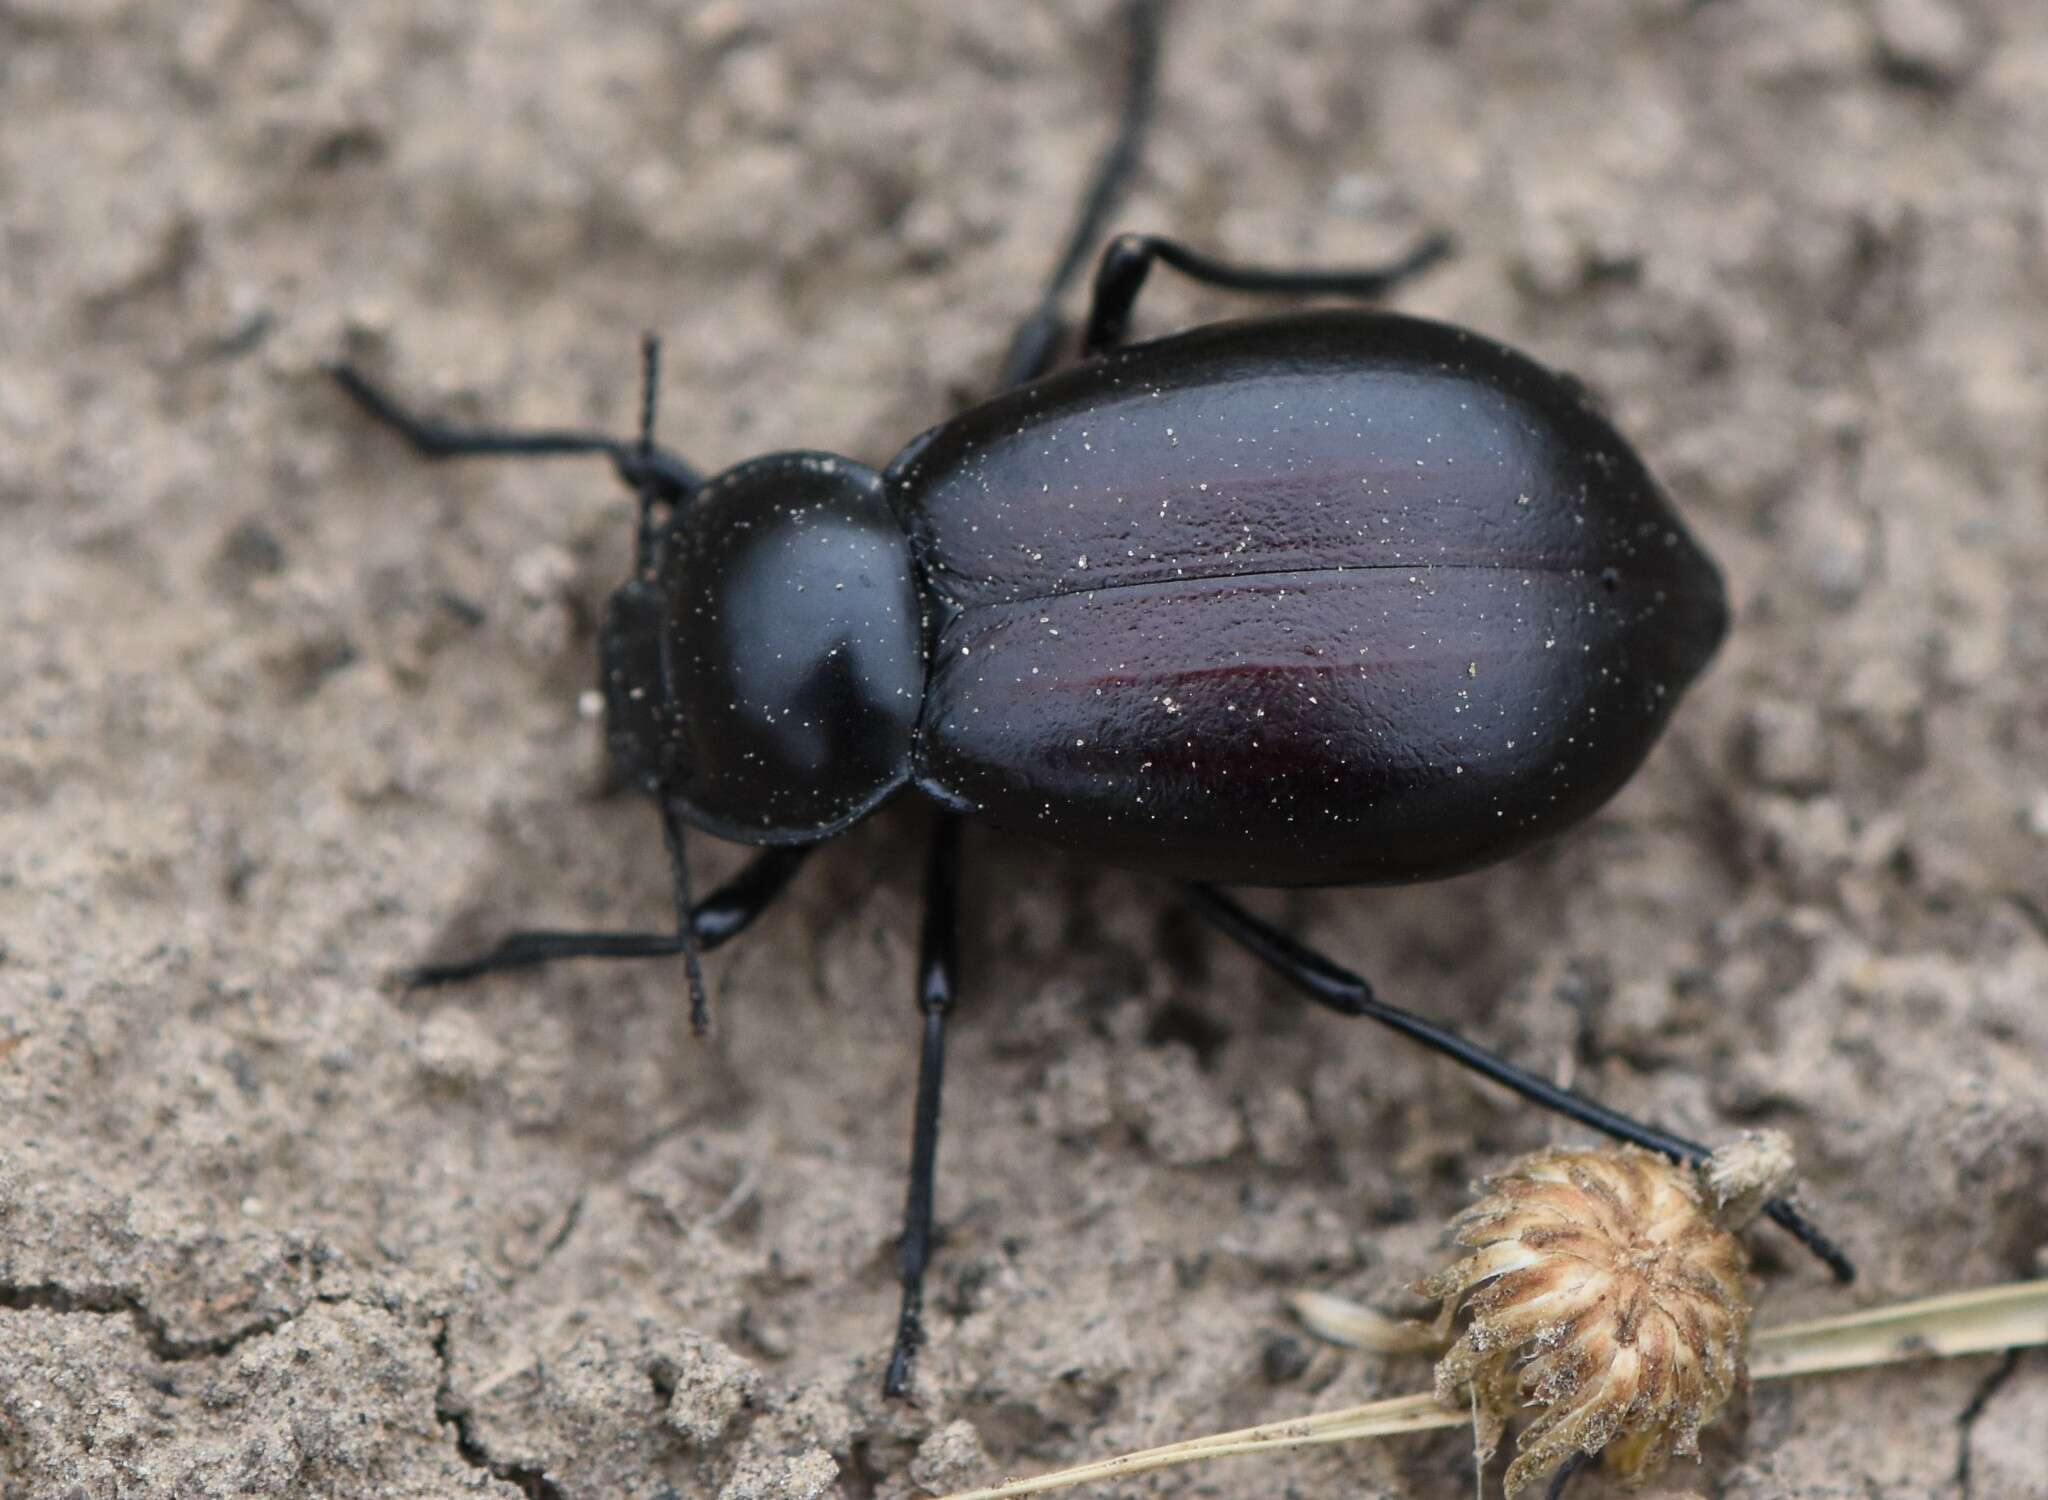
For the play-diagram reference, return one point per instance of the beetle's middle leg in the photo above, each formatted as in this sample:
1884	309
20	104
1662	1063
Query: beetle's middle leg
718	918
1128	260
1329	984
937	967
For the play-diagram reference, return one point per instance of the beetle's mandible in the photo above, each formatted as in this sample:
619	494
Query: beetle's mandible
1337	597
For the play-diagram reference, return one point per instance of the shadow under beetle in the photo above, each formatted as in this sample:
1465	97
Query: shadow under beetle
1332	598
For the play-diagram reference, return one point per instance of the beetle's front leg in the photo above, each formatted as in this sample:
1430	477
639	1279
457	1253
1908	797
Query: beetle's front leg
670	476
1330	984
936	971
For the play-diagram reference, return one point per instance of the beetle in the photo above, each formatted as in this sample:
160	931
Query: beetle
1336	597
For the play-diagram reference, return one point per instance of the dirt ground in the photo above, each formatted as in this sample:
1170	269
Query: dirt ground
285	711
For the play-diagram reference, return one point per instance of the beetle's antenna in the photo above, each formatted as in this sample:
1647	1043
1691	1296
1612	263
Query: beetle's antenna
645	539
1037	338
672	823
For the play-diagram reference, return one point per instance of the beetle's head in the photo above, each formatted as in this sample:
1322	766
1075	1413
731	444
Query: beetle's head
763	668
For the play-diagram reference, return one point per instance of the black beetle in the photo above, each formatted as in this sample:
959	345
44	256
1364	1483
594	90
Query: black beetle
1332	598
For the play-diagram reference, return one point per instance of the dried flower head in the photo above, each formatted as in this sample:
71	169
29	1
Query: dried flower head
1606	1288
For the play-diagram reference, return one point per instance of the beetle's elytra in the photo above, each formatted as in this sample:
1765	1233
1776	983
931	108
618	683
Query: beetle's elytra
1338	597
1333	598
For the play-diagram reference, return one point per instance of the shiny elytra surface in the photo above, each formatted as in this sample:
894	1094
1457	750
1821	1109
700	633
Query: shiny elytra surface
1339	597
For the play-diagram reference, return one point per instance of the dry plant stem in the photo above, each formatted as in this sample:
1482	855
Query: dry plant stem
2014	1316
1420	1412
1974	1322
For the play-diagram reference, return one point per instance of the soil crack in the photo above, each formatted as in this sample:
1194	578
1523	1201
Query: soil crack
117	1301
1980	1399
528	1479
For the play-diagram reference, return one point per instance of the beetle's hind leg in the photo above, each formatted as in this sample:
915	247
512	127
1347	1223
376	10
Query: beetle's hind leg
718	918
1128	260
1331	985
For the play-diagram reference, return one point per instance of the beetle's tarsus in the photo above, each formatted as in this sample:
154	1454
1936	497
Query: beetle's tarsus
1786	1215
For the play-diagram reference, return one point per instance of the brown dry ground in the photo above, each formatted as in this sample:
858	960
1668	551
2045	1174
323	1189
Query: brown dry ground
285	710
